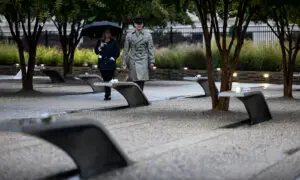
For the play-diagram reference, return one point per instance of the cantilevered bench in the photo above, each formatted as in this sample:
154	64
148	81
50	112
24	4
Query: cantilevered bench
54	76
255	104
203	82
86	141
130	91
88	79
296	75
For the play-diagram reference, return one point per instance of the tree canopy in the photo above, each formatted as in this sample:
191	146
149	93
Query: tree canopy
155	12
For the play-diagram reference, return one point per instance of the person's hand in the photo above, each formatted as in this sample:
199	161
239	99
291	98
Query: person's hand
102	45
152	66
124	66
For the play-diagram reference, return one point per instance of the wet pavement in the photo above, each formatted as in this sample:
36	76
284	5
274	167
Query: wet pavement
173	138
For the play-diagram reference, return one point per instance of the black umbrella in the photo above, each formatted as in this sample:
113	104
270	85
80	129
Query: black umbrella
97	28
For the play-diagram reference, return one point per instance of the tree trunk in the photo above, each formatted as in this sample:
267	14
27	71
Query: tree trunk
223	104
65	50
288	84
27	82
71	60
27	79
67	69
288	90
30	69
211	82
66	63
226	80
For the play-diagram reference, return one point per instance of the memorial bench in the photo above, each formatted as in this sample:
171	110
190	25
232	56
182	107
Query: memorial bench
88	79
18	76
86	141
296	75
129	90
255	104
203	82
54	76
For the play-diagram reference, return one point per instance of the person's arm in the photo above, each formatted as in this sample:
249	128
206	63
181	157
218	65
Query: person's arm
151	56
116	51
125	50
97	47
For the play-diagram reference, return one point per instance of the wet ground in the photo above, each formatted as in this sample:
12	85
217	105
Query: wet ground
173	138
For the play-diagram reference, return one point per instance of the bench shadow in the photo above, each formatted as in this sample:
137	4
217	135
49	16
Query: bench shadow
167	83
274	99
226	118
36	93
236	125
64	175
115	108
195	97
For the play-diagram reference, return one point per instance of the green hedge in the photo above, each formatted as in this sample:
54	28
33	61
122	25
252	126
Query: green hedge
254	57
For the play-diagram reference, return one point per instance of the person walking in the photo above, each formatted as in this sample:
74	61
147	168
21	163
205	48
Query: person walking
108	52
141	58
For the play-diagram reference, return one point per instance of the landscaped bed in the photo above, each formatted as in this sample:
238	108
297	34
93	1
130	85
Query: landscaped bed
254	57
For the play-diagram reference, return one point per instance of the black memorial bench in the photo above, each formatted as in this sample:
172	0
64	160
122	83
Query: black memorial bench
88	79
86	141
129	90
255	104
203	82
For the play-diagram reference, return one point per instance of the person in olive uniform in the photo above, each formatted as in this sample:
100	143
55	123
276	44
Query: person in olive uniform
108	52
140	44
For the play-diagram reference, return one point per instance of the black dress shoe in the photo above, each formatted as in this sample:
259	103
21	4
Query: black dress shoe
107	98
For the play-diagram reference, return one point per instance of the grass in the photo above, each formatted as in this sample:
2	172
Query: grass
253	57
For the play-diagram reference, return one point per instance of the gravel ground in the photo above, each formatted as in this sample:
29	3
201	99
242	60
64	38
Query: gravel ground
58	98
171	139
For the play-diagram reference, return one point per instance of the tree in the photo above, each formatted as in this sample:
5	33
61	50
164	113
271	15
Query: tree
27	18
241	11
73	15
214	16
155	12
124	11
285	16
178	12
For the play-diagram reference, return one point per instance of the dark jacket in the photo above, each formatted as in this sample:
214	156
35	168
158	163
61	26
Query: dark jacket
109	50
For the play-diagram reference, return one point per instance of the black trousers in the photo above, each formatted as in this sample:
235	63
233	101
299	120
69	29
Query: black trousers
107	76
141	84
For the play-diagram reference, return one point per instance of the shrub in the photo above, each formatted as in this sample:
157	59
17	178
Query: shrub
256	57
180	56
253	57
260	57
85	56
8	54
50	56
